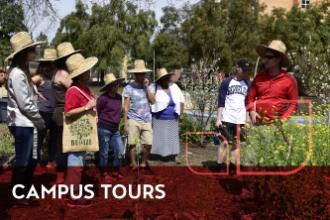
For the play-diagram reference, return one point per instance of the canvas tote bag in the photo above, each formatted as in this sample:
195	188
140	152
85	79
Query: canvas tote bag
80	134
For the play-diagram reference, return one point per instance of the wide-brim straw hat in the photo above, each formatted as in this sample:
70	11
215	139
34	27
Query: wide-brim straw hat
110	79
65	49
21	41
279	47
50	55
77	64
139	67
162	72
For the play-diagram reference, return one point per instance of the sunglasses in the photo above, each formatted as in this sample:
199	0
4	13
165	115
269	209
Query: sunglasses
31	49
269	57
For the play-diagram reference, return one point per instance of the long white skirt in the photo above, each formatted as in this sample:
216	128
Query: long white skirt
166	140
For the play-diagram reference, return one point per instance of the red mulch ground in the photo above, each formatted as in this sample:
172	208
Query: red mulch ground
301	196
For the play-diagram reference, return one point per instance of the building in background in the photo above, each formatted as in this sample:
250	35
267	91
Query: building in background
286	4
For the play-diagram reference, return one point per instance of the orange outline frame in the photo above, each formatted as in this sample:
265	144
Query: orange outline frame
255	173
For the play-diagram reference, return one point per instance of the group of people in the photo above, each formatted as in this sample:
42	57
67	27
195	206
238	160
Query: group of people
38	104
271	98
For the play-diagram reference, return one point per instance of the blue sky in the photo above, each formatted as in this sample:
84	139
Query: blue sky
64	7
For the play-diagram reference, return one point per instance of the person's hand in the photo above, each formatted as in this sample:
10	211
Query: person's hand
126	129
248	125
146	83
41	98
218	124
91	104
254	116
40	124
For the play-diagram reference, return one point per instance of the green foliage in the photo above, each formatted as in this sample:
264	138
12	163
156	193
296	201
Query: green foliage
110	32
171	51
221	32
6	145
11	21
266	146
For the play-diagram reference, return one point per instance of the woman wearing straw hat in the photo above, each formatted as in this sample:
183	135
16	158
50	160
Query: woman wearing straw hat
61	82
78	100
137	116
166	112
24	119
43	81
109	107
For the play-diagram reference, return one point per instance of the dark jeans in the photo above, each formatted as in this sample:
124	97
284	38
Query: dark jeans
24	163
51	144
61	158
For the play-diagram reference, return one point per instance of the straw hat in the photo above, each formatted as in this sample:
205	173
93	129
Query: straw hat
20	42
110	79
77	64
277	46
161	73
50	55
139	67
65	49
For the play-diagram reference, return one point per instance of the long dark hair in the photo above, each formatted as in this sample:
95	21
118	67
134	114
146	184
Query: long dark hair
20	61
46	69
60	64
163	82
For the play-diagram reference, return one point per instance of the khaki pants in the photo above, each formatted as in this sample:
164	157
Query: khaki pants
139	130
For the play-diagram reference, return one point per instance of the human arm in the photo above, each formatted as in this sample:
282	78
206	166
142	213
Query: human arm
221	102
126	108
21	89
292	97
150	94
250	103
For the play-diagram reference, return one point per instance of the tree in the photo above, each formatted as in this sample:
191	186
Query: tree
11	21
223	32
112	30
42	37
171	51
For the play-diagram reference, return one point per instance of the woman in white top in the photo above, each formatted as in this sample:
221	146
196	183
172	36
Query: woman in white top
166	113
24	119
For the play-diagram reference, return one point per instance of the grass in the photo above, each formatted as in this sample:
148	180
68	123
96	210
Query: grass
6	144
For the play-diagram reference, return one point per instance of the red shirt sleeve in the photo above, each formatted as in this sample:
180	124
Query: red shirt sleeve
72	100
292	96
251	96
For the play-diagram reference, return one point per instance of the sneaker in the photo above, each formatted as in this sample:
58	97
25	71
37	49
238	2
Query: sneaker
79	203
220	167
59	178
39	170
177	160
117	175
232	169
134	167
51	166
107	179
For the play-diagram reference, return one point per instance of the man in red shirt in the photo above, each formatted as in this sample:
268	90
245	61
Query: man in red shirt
271	99
273	93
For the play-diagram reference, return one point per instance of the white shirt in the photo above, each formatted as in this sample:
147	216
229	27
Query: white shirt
235	111
163	100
